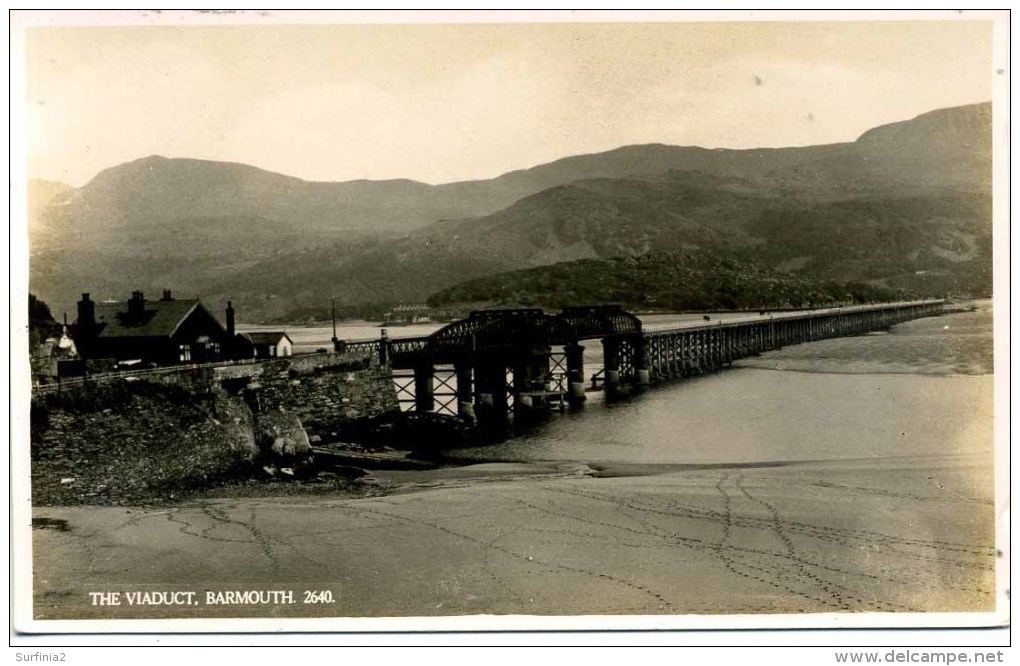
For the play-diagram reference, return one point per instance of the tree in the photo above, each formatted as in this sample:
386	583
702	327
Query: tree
41	324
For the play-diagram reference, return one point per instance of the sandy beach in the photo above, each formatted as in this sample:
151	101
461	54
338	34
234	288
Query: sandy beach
887	535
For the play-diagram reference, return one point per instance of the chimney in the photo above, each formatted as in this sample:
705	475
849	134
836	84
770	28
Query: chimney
230	320
136	306
167	295
86	315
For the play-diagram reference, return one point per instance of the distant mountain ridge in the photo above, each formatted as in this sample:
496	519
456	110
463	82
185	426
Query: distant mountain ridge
970	125
277	244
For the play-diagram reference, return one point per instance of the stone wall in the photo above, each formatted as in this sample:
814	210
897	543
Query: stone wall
137	438
325	391
138	441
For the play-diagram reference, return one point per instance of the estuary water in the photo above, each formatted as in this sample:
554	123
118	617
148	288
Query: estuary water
923	388
310	338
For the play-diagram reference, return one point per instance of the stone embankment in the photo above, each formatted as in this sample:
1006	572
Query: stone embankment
327	392
162	436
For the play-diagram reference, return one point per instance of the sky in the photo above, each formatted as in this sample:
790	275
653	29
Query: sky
441	103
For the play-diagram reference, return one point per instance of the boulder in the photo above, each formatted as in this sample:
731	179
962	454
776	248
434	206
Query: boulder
281	435
237	421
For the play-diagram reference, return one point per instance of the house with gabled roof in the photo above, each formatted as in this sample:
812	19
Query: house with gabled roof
164	332
270	344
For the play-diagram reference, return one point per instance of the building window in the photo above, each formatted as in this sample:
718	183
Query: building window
272	350
185	352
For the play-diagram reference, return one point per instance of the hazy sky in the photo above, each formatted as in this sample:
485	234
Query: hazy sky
439	103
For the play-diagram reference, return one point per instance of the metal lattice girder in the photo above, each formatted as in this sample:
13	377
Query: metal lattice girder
443	379
404	384
507	329
371	347
599	321
445	400
497	330
511	397
558	370
655	352
626	358
407	345
449	406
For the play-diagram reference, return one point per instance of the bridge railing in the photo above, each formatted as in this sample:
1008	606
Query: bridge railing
146	372
786	315
162	371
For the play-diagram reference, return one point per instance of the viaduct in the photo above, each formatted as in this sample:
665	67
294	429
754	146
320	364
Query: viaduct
499	365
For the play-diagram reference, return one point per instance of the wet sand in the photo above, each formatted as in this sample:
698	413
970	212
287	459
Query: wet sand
885	535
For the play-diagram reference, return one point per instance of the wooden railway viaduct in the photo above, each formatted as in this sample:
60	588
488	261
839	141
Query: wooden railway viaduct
498	365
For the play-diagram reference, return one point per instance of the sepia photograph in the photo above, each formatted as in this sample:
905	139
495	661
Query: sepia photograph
507	320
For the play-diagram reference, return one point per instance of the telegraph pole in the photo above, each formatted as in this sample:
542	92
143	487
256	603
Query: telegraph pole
336	345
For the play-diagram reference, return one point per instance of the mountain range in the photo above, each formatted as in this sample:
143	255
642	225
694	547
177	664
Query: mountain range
907	206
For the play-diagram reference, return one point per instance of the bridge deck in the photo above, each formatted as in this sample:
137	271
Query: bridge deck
414	346
733	319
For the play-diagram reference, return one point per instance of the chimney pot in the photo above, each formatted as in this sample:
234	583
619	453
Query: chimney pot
86	315
136	306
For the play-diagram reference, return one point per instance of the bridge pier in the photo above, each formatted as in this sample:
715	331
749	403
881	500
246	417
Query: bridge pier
626	364
642	374
490	374
424	389
575	374
531	378
611	363
465	389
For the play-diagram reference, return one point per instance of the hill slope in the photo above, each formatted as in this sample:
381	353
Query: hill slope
906	205
660	281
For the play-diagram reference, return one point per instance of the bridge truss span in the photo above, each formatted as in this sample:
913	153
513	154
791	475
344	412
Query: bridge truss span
496	365
674	352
